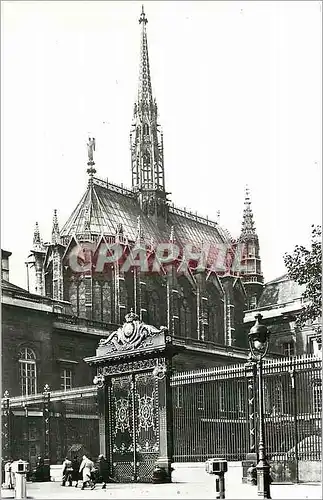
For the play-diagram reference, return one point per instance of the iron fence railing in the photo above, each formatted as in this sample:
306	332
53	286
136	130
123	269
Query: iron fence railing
214	414
73	421
70	394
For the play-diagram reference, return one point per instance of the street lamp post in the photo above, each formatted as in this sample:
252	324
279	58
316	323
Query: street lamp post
46	419
258	342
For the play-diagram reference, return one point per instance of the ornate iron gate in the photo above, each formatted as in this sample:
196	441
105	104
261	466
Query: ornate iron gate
133	378
134	426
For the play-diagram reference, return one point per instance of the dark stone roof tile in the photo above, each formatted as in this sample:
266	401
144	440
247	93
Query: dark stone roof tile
280	291
103	207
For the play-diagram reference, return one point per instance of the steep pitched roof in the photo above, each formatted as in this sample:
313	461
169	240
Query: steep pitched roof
280	291
104	206
6	285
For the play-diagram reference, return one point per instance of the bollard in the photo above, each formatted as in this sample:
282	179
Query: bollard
21	470
220	485
218	467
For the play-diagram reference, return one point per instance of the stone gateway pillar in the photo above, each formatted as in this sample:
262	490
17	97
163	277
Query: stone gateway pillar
134	366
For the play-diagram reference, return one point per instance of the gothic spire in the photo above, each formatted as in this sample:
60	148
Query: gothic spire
250	268
248	230
55	229
37	242
147	157
145	95
38	252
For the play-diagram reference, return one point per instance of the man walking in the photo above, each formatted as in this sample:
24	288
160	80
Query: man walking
75	467
86	470
103	465
67	472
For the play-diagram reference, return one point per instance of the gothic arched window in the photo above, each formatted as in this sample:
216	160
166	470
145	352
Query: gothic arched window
28	371
185	319
107	302
212	320
97	301
252	302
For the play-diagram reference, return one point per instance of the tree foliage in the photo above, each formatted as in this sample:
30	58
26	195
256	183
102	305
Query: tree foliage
305	267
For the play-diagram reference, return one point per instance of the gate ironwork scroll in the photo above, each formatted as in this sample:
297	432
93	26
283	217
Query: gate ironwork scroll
147	425
134	430
123	431
133	379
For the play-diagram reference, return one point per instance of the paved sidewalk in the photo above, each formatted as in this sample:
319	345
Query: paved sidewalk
54	490
190	481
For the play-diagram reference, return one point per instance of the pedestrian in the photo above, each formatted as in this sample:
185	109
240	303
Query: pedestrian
8	477
103	466
38	472
75	466
86	469
67	472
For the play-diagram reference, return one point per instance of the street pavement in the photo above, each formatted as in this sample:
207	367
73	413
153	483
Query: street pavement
54	490
190	481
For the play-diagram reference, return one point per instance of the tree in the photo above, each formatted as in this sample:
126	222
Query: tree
305	267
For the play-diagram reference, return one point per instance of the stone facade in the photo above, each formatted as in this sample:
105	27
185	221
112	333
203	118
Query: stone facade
55	342
58	341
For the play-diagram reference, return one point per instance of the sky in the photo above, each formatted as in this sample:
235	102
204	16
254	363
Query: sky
239	92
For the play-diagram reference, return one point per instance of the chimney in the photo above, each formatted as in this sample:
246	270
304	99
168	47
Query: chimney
5	264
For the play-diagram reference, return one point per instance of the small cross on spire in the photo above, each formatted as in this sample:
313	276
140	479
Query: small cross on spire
143	18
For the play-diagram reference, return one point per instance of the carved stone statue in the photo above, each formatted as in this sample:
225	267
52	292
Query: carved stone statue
91	148
131	334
